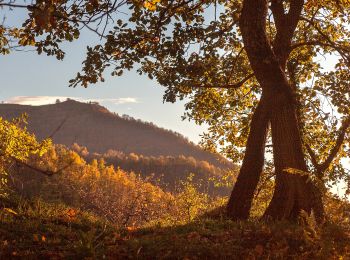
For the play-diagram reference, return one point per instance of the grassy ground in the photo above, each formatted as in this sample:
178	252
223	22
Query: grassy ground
225	239
38	230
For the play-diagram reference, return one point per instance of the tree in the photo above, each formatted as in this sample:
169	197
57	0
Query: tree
245	67
16	145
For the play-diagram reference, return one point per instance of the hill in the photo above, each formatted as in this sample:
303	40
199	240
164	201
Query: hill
93	126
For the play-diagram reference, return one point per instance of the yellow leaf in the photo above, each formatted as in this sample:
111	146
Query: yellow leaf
11	211
150	5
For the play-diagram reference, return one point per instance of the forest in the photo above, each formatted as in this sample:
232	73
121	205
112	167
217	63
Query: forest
168	171
270	80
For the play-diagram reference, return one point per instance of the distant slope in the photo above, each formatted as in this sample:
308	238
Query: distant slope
98	129
166	172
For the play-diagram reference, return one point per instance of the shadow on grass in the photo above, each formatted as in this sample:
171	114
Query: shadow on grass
51	231
213	236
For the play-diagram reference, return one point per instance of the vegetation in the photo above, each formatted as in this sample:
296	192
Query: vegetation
166	171
59	206
253	72
16	145
53	231
119	197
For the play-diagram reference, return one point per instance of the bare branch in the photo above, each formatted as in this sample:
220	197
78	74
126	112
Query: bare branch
58	128
15	5
45	172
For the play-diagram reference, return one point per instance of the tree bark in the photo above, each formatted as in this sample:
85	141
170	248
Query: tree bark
293	192
240	201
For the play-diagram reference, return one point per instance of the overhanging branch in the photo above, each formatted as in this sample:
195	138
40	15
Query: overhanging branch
44	172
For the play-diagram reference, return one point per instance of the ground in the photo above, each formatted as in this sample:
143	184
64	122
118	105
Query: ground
39	230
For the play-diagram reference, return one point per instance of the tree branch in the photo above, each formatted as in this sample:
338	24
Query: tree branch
278	13
339	49
333	45
285	25
45	172
313	156
16	5
342	131
58	128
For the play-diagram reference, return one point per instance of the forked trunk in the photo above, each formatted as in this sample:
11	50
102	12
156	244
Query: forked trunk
293	192
242	194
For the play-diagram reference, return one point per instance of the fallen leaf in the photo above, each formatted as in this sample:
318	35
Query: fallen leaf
193	235
259	249
36	237
11	211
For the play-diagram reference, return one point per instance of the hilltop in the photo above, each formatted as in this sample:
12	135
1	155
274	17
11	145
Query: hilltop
93	126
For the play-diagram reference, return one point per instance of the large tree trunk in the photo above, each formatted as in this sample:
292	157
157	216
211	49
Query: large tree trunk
240	202
293	192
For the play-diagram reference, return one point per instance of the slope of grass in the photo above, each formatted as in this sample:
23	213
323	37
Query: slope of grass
225	239
38	230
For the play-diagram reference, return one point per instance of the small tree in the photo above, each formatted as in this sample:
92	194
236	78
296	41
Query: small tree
16	145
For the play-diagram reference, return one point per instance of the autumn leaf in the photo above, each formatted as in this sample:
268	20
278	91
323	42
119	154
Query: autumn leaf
36	237
151	5
11	211
259	249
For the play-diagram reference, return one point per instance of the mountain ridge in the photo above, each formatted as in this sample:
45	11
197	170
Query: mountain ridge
94	126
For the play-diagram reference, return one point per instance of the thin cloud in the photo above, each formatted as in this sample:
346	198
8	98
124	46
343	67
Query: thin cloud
34	100
45	100
121	101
